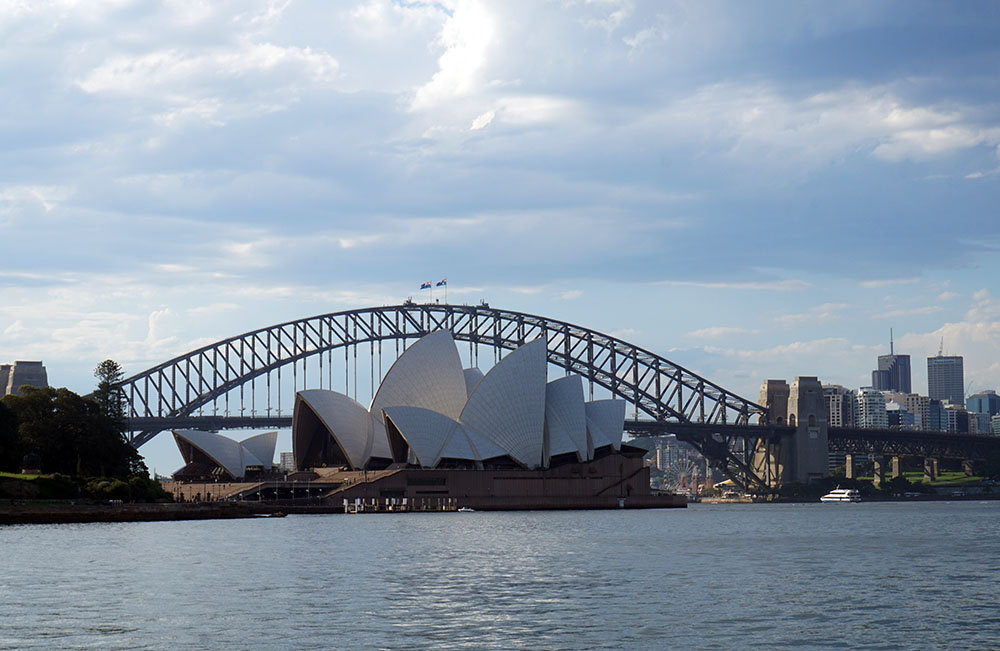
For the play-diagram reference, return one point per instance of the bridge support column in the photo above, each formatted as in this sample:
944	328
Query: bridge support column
968	468
895	467
878	467
930	469
849	466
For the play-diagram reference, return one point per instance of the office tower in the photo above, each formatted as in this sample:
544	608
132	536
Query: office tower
946	378
984	402
893	373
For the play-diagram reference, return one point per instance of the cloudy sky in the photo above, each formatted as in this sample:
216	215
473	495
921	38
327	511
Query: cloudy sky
754	190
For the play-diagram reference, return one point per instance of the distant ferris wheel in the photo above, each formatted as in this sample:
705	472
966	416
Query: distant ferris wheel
682	473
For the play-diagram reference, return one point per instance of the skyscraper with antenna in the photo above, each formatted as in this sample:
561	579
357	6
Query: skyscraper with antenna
946	377
893	372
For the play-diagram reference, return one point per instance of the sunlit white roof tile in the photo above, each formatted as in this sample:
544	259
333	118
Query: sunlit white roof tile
428	375
508	404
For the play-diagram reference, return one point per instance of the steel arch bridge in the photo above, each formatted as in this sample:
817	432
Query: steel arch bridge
239	369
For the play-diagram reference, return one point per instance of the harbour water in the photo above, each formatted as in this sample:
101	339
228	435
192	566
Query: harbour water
870	575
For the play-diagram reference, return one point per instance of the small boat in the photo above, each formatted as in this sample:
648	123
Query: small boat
277	514
466	509
842	495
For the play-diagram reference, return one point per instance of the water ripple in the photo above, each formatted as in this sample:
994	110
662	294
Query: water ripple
874	576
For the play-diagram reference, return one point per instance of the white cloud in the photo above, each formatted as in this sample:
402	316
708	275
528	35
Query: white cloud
212	84
570	295
47	196
819	314
789	353
887	282
771	286
213	309
466	38
756	123
915	311
14	328
643	36
482	121
610	14
624	333
715	332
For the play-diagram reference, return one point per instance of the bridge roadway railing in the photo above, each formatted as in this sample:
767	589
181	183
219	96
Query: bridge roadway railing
655	386
912	443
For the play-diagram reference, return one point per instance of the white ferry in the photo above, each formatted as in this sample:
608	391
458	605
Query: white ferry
842	495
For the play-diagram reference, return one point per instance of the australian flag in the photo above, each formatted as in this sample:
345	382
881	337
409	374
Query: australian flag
443	282
426	285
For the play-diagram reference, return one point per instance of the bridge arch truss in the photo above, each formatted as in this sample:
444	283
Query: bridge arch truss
239	369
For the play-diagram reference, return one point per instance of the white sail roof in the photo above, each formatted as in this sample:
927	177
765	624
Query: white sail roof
485	448
472	377
508	405
230	455
433	436
428	375
425	431
346	420
566	417
606	422
262	446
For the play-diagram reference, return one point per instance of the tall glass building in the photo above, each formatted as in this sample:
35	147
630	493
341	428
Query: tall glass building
946	378
893	373
984	402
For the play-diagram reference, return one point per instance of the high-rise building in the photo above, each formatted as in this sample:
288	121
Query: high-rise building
946	378
893	373
984	402
916	404
869	410
839	405
995	425
979	422
899	417
937	419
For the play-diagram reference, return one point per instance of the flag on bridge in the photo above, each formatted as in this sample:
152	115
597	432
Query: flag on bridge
426	285
443	282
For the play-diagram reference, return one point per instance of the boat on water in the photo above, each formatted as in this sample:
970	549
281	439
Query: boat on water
842	495
466	509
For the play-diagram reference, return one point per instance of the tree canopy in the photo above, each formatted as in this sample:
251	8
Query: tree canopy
72	434
108	394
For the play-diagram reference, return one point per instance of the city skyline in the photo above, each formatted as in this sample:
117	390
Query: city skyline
751	192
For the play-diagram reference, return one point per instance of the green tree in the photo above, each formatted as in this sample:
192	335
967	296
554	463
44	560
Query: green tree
108	394
72	434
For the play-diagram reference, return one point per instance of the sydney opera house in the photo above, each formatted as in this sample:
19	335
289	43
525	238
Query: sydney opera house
436	431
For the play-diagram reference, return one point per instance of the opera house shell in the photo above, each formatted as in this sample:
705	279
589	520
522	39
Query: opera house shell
437	436
429	412
206	453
